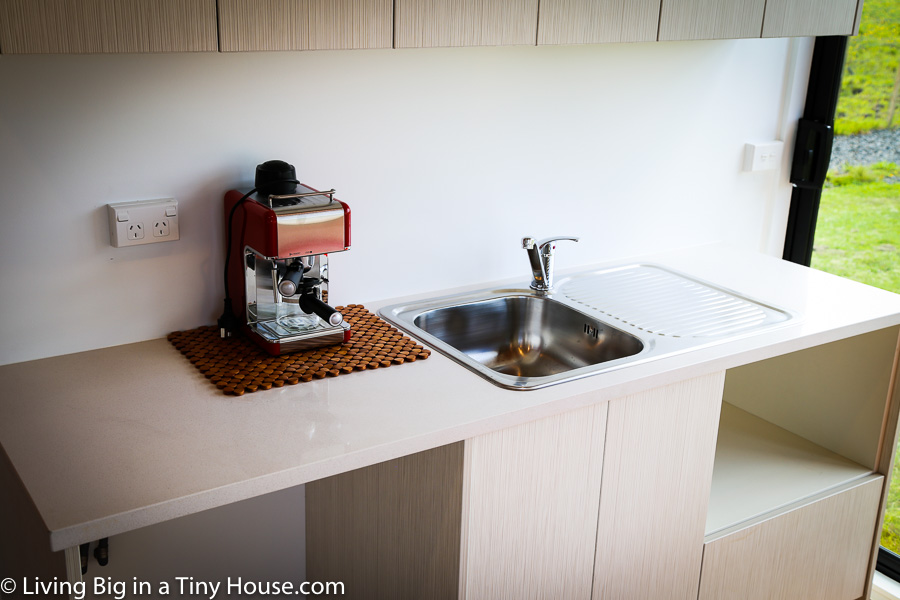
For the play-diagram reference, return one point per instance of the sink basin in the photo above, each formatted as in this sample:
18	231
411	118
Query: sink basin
592	323
527	336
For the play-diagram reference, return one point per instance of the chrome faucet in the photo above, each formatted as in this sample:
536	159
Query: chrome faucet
540	254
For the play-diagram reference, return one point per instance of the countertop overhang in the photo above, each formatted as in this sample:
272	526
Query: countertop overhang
115	439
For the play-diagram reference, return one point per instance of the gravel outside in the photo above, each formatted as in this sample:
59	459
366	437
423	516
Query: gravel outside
866	149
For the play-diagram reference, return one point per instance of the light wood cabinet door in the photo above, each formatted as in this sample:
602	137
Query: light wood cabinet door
818	550
790	18
508	514
597	21
259	25
107	26
530	508
657	472
389	531
710	19
435	23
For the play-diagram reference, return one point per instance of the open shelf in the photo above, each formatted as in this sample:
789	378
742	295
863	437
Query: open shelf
761	467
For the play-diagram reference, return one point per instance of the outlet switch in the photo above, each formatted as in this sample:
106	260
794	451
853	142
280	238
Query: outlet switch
763	157
130	222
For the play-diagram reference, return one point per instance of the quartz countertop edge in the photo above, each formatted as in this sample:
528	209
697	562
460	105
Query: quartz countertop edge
111	440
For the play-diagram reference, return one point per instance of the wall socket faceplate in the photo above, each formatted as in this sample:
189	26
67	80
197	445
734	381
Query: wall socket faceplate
143	222
765	156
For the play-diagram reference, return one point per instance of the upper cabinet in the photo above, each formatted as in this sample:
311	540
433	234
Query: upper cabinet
597	21
710	19
787	18
246	25
431	23
96	26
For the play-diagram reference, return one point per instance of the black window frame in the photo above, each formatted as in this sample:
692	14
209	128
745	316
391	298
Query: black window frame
812	148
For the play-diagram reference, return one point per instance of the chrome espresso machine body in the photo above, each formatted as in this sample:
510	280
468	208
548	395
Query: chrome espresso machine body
277	274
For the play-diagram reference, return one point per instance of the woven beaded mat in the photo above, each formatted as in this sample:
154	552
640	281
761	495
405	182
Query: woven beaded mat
237	366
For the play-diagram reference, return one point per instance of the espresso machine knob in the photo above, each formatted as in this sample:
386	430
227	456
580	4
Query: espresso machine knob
292	278
290	283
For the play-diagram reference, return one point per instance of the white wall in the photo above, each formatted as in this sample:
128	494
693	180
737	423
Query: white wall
447	158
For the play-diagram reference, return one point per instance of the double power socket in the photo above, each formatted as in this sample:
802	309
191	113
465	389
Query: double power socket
143	222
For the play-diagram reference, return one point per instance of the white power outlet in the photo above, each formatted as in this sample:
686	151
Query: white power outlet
135	231
763	156
161	228
129	222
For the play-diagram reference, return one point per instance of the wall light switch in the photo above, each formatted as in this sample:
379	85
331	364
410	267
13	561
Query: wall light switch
763	156
143	222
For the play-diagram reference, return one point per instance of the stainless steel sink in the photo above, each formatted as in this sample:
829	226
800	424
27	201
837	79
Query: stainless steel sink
592	323
527	336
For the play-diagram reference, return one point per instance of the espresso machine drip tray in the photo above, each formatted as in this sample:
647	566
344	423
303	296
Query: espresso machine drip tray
293	325
286	324
292	338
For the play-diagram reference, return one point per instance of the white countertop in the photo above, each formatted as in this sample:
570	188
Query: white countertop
111	440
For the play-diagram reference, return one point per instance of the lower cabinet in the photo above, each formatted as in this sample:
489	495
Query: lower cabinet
530	512
820	549
391	530
605	501
764	482
656	481
805	442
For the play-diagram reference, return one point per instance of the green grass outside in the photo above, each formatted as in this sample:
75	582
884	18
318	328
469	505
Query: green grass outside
871	71
858	237
858	230
858	234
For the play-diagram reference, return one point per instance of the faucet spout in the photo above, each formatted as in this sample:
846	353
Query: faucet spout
537	269
540	255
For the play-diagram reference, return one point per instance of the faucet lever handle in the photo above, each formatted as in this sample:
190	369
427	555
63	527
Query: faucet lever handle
528	243
545	244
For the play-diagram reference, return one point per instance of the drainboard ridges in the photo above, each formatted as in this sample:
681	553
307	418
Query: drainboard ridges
665	304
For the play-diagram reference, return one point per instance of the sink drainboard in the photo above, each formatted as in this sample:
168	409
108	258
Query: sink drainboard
663	303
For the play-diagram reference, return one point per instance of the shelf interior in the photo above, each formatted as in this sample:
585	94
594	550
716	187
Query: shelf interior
760	467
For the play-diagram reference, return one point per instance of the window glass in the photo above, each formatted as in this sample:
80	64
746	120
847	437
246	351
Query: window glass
858	226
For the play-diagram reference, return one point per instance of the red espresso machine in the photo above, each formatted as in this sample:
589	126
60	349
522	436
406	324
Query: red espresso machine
276	272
